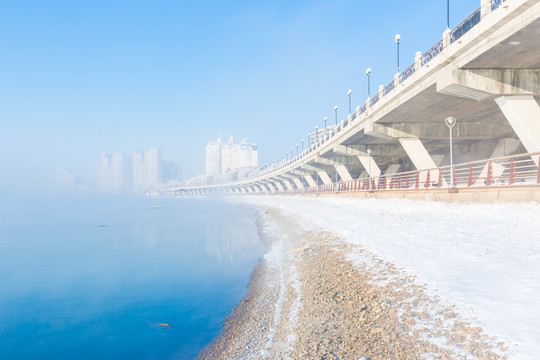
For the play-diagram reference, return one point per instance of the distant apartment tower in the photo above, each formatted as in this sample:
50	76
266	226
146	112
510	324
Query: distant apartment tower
152	167
138	170
224	157
213	157
115	172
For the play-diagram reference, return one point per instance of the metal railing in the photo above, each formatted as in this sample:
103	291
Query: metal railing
406	73
465	25
389	87
432	53
374	100
496	3
517	170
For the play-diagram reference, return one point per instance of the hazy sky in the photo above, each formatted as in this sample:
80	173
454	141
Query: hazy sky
82	78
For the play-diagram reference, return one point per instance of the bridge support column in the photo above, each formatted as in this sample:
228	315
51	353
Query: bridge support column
298	183
504	147
279	186
310	180
419	156
523	114
287	184
343	172
369	164
392	169
324	177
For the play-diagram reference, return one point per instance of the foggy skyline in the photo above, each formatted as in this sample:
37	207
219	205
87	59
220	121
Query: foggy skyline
79	80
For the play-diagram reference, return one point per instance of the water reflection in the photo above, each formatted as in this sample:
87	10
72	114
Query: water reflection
227	240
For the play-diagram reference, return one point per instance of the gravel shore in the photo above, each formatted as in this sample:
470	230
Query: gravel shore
312	298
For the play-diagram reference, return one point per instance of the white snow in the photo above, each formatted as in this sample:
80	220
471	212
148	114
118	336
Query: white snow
483	258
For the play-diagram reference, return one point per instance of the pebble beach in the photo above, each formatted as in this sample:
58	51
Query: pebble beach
310	298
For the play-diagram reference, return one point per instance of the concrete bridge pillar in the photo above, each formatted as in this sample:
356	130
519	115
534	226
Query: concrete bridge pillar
419	156
298	183
279	186
310	180
370	165
392	169
287	184
343	172
503	148
523	114
324	177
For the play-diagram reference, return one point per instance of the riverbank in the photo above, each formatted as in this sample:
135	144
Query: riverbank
316	295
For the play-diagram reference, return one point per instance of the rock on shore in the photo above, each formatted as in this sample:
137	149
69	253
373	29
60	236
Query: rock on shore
316	297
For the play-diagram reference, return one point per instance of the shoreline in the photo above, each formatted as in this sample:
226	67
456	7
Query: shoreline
311	297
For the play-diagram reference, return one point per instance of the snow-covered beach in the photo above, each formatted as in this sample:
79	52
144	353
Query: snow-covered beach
482	261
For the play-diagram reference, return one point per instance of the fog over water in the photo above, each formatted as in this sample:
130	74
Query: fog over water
92	277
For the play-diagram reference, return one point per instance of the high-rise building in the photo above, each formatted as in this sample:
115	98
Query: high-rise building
105	172
152	167
222	158
117	170
213	157
138	170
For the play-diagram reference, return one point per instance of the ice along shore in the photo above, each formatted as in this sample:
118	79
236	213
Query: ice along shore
333	285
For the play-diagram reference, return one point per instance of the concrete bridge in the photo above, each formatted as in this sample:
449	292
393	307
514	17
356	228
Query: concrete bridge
485	73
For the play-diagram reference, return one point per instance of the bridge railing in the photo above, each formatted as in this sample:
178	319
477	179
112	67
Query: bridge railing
516	170
465	25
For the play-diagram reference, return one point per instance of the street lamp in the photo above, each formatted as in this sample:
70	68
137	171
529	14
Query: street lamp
325	118
303	145
398	38
287	155
368	72
369	161
349	94
309	139
335	110
296	149
450	122
448	14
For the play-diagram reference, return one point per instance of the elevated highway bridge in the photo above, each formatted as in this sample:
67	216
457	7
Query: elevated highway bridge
485	73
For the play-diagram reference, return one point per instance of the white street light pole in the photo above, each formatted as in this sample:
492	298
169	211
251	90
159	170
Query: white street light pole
335	110
369	162
368	72
349	94
450	122
398	39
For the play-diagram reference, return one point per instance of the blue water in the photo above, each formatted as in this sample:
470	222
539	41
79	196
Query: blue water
92	277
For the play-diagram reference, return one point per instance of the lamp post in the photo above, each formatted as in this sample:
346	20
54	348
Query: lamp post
325	118
309	140
398	39
369	161
368	72
448	14
335	110
296	149
287	155
303	145
292	153
349	94
450	122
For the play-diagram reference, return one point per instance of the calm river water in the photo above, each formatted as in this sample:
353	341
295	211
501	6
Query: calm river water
93	277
